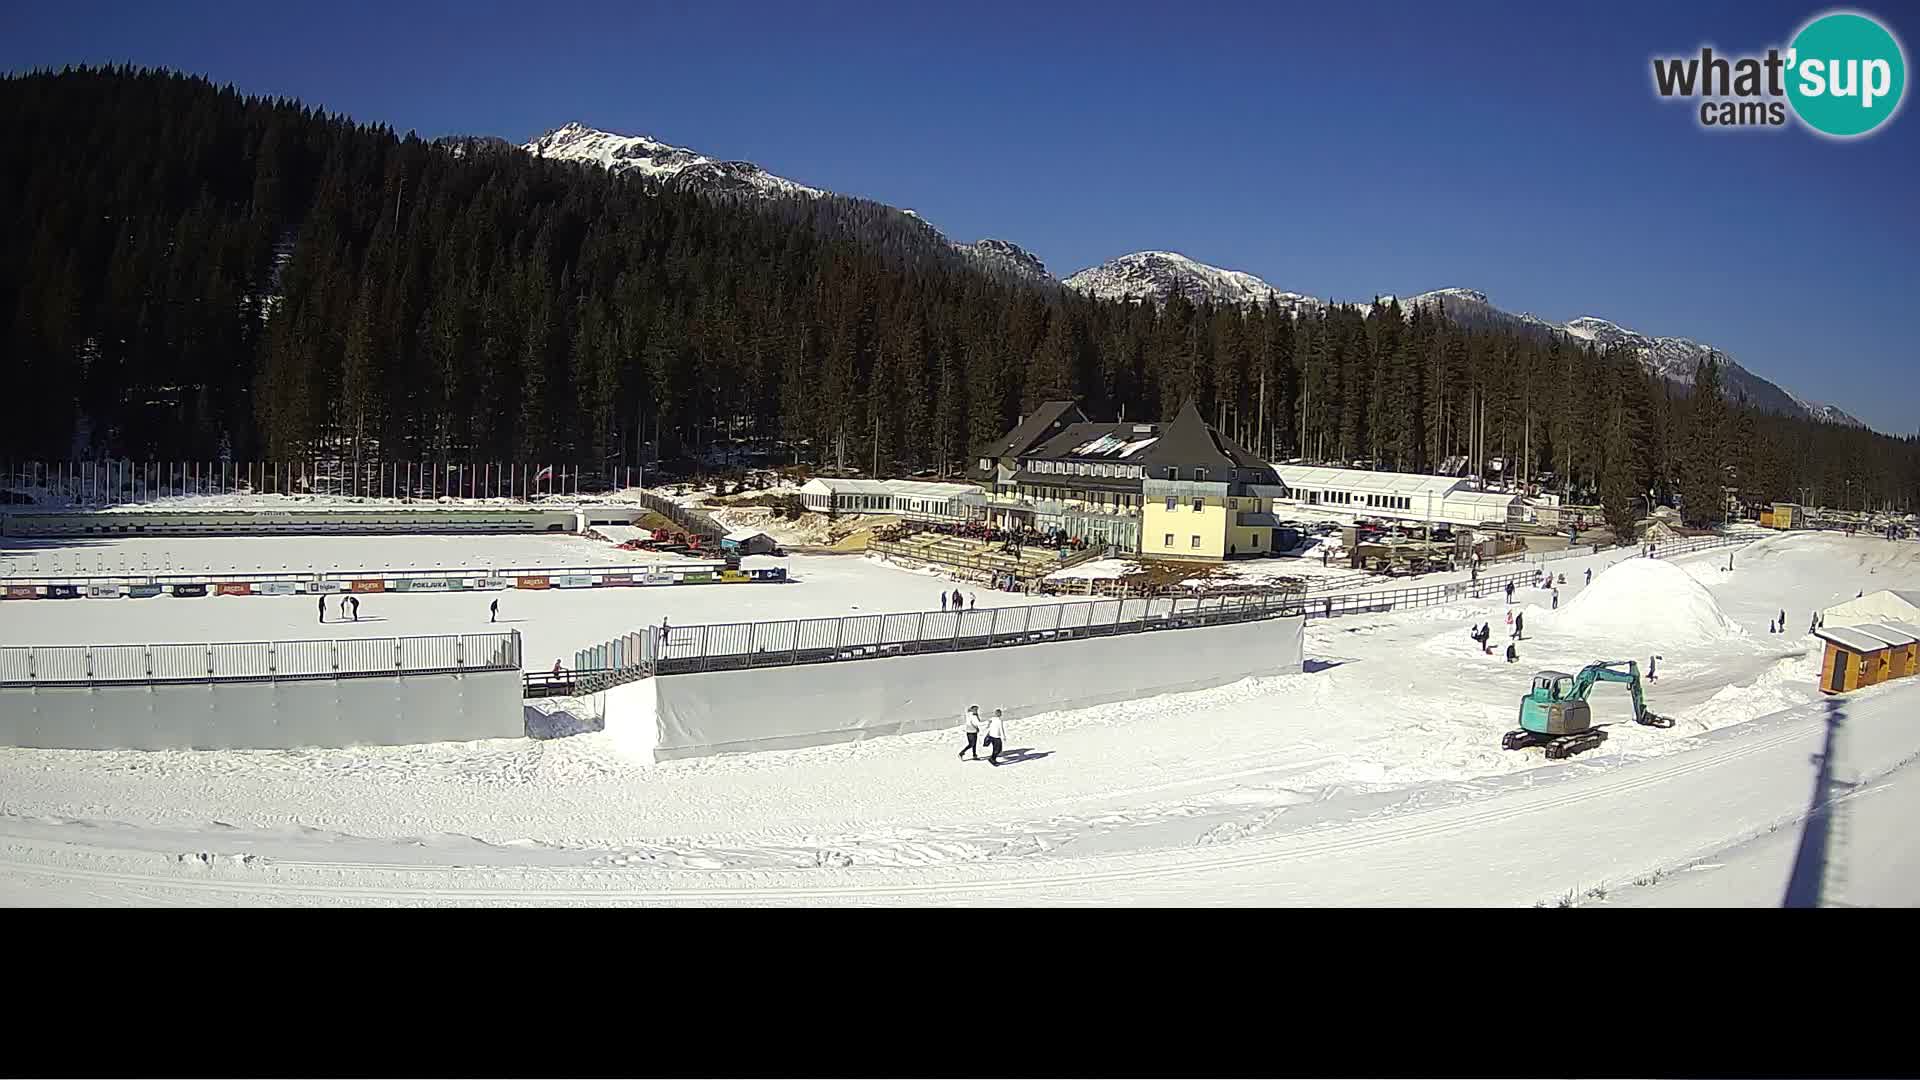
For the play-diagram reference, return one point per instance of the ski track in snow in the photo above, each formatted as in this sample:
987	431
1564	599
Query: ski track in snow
1400	716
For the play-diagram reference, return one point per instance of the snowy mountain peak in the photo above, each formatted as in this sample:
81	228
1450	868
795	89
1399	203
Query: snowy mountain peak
1009	256
661	161
1156	275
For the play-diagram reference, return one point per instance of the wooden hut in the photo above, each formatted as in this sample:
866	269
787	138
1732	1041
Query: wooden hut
1902	644
1852	659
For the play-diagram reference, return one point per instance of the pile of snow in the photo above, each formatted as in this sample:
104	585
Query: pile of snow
1647	600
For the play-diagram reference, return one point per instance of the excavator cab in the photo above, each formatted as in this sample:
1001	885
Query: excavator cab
1552	706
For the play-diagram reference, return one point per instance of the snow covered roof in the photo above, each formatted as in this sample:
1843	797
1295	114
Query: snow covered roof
741	536
821	485
1317	477
1886	632
1848	637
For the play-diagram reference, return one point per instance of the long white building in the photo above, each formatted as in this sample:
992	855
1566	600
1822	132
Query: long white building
919	499
1410	497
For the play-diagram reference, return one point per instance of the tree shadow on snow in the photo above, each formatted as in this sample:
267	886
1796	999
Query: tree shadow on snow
1024	753
1806	885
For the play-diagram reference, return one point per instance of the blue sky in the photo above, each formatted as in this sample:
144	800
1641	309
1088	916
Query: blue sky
1514	148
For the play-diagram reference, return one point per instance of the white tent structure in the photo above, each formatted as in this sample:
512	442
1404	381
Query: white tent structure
1411	497
924	500
1887	605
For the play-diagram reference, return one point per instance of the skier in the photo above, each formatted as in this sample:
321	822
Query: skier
323	609
996	737
970	723
1772	627
493	611
1653	667
1783	620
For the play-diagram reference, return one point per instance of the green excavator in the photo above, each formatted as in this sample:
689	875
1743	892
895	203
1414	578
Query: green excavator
1554	714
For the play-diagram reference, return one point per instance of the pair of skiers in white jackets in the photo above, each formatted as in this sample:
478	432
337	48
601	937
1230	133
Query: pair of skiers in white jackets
996	728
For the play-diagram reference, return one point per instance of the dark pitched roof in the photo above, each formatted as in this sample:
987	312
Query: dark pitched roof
1033	429
1189	440
1076	436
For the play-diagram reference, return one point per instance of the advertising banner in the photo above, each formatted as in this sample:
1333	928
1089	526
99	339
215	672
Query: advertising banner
233	588
573	581
368	585
539	582
101	592
616	579
62	592
143	590
276	588
22	592
189	590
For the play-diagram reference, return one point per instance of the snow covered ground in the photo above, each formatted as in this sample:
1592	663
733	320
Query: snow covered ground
1375	776
117	555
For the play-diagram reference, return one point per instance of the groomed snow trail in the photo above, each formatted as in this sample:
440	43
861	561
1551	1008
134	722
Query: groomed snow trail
1225	796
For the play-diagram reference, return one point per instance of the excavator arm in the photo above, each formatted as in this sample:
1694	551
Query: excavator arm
1618	671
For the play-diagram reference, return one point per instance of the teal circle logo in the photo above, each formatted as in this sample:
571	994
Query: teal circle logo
1846	74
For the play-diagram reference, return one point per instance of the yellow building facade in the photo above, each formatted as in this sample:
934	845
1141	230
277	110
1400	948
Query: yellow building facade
1209	526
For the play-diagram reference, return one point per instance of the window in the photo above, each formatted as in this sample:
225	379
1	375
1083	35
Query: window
1199	474
1173	503
1196	540
1173	473
1169	542
1199	504
1233	504
985	464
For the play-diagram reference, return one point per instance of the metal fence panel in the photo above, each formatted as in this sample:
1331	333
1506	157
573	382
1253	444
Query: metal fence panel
241	659
16	664
296	658
366	655
60	663
775	642
725	640
816	635
179	662
975	624
900	629
120	663
861	631
429	653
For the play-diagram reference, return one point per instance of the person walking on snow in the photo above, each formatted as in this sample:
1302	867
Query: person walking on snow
1772	627
956	600
996	737
1589	575
1653	667
323	609
1509	592
973	601
943	600
493	611
970	723
1783	620
356	607
1520	626
1556	599
343	607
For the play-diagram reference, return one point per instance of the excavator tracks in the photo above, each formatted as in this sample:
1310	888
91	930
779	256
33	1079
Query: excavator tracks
1557	746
